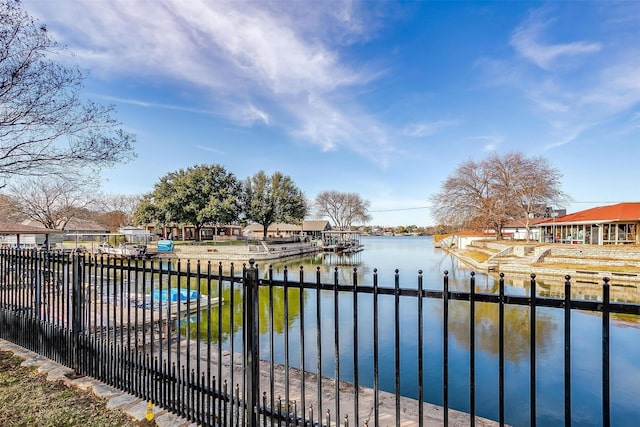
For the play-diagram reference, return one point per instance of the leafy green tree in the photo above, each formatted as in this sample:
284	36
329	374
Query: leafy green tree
197	196
145	212
275	198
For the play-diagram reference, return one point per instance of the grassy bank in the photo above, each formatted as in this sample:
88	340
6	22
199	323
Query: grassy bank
28	399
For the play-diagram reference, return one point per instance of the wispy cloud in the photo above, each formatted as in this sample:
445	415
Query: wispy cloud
422	129
491	142
354	128
267	62
619	87
573	96
527	40
210	149
146	104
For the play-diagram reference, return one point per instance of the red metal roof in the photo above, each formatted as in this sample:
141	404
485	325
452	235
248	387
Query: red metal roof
472	233
612	213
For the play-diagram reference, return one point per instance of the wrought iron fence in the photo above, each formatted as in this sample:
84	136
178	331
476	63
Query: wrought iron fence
241	347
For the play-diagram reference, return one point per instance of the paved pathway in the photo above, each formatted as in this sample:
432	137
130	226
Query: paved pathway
137	408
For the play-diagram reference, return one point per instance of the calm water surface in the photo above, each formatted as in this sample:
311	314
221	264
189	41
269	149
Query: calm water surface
409	255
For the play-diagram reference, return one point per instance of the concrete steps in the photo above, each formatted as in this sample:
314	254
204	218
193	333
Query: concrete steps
562	259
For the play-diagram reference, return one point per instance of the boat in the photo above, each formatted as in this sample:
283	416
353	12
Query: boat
349	248
123	250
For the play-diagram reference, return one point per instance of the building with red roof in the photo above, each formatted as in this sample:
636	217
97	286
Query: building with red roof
614	224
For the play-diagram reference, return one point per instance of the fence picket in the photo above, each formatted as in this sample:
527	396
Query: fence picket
128	324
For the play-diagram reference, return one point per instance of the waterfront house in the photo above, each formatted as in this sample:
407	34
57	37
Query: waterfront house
136	234
603	225
517	229
314	229
277	230
73	226
88	229
188	232
311	229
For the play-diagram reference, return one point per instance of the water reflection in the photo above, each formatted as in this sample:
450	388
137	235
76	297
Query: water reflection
271	314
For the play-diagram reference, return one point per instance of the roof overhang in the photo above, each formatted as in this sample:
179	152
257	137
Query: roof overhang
591	222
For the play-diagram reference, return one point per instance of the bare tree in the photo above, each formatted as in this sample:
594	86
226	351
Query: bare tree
117	210
469	199
532	183
489	193
343	209
52	202
8	210
45	126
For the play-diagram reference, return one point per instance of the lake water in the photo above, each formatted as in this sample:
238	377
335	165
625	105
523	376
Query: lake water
409	255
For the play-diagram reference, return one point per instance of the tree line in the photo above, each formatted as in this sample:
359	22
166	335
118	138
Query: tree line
198	196
210	195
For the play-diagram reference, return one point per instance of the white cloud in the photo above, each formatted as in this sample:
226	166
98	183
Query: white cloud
147	104
423	129
250	114
357	131
577	87
273	63
567	132
491	142
210	149
526	41
619	87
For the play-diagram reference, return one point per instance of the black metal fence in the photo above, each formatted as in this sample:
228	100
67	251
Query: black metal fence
218	348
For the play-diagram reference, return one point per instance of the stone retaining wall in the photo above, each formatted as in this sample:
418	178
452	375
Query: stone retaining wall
598	252
594	261
244	253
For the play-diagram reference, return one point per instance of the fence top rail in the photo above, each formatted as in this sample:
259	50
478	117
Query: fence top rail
598	306
195	270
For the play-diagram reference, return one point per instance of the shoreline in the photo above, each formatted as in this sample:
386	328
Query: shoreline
579	262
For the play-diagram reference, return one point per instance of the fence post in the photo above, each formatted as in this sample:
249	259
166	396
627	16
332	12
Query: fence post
76	312
606	392
251	347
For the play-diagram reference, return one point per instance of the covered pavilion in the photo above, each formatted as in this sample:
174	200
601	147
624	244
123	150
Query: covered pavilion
19	235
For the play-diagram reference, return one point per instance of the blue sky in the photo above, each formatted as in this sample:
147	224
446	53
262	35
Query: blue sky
381	98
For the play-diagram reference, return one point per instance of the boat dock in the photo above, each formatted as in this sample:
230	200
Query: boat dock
341	242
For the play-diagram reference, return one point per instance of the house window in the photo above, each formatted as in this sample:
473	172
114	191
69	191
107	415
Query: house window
619	233
626	233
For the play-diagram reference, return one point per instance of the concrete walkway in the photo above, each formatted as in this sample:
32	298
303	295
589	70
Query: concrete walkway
137	408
